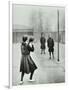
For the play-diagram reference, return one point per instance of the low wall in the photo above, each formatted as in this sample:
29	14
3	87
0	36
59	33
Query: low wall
17	36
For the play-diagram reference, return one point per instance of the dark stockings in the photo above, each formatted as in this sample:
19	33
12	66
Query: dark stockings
31	75
52	54
22	75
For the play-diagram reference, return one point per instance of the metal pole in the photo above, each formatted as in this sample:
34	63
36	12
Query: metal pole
58	31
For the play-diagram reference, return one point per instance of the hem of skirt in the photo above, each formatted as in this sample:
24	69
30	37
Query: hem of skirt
29	71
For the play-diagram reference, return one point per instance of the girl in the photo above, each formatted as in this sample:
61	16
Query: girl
42	41
27	65
24	53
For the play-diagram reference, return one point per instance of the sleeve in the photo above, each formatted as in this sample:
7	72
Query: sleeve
31	48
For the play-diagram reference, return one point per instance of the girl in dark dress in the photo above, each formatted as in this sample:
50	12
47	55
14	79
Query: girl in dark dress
42	41
27	65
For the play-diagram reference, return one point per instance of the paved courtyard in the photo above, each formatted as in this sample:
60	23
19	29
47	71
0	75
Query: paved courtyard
49	71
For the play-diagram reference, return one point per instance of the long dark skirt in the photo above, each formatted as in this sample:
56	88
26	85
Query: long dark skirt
42	46
27	64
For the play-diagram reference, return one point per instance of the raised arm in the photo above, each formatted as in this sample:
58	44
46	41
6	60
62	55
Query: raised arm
31	48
